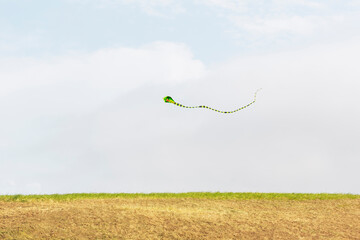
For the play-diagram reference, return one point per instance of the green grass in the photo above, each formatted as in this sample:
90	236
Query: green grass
199	195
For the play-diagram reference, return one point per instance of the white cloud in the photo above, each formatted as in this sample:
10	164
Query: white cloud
354	3
13	42
262	6
97	77
306	3
260	21
288	25
269	22
301	132
232	5
159	8
42	100
295	134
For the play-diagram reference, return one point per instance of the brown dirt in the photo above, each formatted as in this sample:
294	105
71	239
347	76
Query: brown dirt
180	219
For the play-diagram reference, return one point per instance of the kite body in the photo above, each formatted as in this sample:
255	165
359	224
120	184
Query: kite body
169	99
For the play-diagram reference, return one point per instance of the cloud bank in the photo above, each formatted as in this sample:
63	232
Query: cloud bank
97	122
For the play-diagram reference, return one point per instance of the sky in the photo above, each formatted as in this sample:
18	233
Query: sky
82	85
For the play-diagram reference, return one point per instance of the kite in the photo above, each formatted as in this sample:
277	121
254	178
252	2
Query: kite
169	99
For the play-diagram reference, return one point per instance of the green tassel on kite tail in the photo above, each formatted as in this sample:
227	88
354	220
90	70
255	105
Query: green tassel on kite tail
168	99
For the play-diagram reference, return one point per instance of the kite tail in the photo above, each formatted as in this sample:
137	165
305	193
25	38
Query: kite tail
180	105
234	110
168	99
248	104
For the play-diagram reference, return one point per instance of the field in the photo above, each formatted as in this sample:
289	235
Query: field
180	216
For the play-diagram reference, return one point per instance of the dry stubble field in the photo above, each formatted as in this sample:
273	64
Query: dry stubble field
179	218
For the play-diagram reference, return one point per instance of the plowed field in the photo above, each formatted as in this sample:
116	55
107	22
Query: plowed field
180	218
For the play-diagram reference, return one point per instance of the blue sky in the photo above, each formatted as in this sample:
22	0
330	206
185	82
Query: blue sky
82	82
214	30
56	27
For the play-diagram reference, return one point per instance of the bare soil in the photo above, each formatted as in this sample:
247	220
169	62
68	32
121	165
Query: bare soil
186	218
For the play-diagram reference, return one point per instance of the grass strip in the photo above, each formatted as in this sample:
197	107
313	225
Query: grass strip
198	195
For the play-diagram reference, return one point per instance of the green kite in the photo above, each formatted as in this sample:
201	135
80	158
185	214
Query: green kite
168	99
